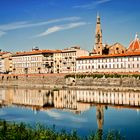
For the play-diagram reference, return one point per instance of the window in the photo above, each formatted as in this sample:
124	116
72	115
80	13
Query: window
113	66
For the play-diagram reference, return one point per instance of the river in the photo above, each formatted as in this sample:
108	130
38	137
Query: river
81	110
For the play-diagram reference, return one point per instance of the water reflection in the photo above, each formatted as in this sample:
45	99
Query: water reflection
76	101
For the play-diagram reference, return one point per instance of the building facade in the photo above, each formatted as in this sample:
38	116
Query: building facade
36	61
65	60
1	61
6	61
109	63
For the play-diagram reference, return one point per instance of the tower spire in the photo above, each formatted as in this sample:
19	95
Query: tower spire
98	36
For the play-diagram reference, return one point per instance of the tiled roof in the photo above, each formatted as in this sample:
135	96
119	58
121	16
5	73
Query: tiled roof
108	56
36	52
135	44
1	53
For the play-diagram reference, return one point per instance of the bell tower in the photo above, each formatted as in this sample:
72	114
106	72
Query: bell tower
98	37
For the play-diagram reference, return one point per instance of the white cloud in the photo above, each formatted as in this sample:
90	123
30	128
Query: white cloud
2	33
64	115
102	1
60	28
54	114
91	5
24	24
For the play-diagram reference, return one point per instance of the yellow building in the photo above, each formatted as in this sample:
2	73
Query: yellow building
35	61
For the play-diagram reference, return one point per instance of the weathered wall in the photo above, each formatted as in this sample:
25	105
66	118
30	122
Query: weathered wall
33	81
53	80
123	82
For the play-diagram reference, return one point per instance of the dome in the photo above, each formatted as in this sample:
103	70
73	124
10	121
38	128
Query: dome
135	44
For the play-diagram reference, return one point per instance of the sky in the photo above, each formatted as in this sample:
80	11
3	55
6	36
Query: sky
59	24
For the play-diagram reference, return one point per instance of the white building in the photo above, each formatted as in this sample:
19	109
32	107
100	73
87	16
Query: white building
126	62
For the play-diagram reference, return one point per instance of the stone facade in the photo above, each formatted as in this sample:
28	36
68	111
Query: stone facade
116	48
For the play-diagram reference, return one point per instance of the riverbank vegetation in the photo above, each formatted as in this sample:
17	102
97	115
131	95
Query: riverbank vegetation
12	131
102	75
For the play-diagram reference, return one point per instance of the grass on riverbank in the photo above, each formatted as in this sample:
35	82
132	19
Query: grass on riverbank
115	75
12	131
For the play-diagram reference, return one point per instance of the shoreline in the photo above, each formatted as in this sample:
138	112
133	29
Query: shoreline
64	87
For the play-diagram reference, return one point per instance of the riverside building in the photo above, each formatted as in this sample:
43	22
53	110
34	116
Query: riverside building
2	64
65	60
124	62
35	61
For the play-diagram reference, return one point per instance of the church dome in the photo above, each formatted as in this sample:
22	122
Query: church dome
134	45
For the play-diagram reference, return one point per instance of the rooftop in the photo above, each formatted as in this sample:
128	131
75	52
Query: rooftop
111	55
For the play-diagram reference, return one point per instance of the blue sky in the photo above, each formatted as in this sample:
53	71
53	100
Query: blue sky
58	24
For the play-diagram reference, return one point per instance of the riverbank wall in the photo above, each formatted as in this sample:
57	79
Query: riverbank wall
58	81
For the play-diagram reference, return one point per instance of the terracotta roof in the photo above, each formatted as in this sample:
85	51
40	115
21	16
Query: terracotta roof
36	52
1	53
134	45
111	55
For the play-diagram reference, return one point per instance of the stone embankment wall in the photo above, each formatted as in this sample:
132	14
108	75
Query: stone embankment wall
46	81
123	82
58	80
118	84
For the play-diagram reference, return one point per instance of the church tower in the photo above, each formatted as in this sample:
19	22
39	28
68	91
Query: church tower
98	37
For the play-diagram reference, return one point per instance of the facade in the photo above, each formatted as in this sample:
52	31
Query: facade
1	61
69	58
57	59
116	48
129	62
36	61
65	60
6	63
46	61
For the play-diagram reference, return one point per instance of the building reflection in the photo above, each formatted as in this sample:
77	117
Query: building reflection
76	101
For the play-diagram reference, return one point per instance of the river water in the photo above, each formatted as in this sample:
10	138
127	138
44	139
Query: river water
81	110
